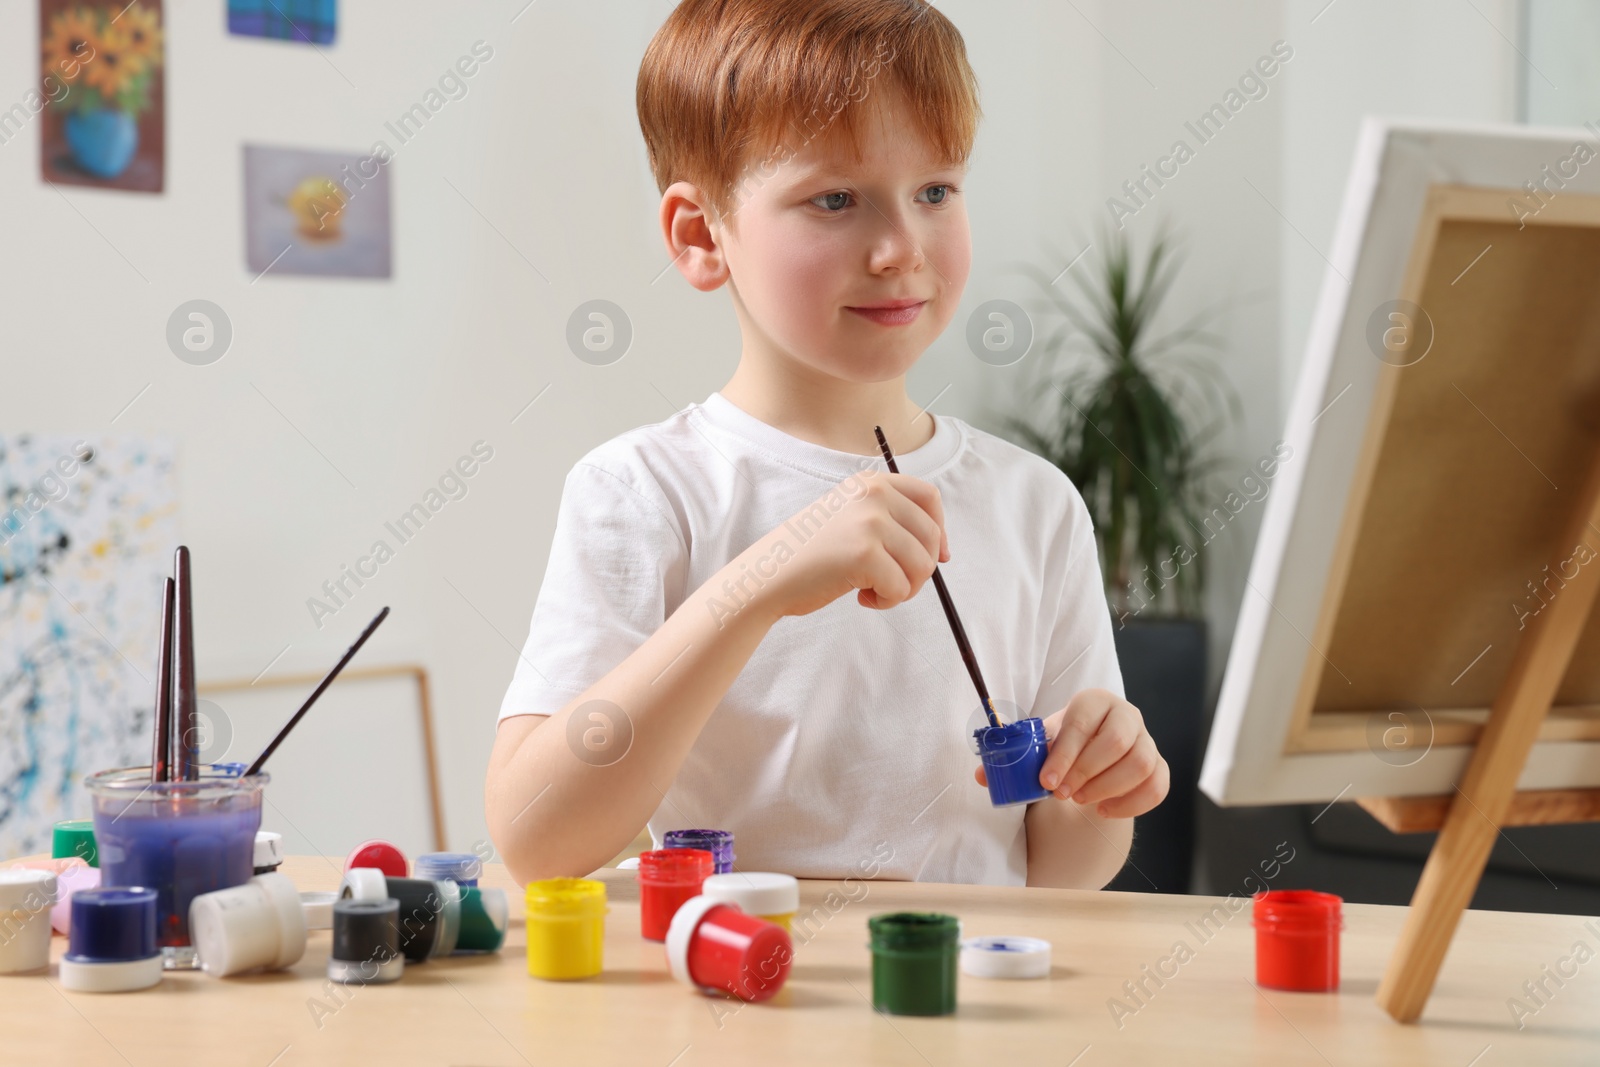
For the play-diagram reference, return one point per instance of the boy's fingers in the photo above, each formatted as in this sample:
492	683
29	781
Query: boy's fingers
910	512
910	558
1079	721
1116	736
983	779
1147	795
1123	776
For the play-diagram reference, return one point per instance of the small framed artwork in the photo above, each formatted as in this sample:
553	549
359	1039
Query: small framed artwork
309	212
309	21
104	121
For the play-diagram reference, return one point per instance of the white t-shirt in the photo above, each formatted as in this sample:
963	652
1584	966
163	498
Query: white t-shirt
846	742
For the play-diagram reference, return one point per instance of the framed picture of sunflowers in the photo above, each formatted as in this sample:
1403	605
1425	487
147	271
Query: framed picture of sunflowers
106	123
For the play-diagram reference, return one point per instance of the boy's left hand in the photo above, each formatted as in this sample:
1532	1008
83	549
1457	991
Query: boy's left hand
1101	754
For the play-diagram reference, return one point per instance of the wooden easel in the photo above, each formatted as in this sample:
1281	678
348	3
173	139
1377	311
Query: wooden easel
1486	798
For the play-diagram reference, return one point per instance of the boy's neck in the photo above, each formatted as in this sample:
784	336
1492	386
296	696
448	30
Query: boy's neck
830	412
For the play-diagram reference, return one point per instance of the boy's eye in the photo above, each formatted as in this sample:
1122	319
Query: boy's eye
833	203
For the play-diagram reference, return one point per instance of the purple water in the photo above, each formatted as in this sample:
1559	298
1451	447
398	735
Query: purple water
179	857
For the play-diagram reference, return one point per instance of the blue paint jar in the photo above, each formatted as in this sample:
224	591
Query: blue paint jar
1013	755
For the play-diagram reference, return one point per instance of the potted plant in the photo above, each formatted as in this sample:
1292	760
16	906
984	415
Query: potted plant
1132	413
104	58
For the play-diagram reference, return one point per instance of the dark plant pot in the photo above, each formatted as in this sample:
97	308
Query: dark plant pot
1163	664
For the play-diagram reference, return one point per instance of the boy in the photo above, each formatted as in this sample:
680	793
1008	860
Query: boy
693	660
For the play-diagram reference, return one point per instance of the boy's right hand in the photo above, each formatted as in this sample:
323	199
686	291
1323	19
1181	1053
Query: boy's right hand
875	532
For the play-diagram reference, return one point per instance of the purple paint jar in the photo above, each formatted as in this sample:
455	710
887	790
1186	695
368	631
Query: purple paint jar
1013	755
717	842
181	839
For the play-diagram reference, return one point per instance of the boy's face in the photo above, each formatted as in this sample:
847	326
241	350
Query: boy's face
812	248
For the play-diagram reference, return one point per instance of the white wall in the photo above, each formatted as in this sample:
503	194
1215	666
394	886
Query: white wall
392	380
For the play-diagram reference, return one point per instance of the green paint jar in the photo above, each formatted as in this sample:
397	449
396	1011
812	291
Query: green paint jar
914	957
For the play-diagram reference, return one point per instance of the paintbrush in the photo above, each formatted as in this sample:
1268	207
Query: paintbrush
949	608
317	692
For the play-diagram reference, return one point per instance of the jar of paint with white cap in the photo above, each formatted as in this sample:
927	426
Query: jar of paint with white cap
366	941
112	947
257	926
773	897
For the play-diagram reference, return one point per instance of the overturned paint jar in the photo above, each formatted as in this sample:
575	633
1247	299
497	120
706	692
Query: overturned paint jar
717	948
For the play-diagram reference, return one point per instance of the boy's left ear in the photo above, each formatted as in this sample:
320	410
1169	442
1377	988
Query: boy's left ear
691	240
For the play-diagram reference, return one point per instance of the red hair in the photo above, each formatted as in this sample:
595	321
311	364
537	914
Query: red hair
729	86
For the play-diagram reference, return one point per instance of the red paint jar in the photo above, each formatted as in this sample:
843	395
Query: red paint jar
667	878
719	948
1297	939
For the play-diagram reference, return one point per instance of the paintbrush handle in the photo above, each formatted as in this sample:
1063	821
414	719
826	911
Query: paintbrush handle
161	747
317	692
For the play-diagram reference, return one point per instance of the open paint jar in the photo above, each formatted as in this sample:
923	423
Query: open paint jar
1013	755
1297	939
566	927
181	839
914	962
667	878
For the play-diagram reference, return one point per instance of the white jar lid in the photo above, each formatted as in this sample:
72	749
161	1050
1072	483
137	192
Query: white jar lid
364	883
1005	957
113	976
756	892
26	895
257	925
681	930
269	849
318	908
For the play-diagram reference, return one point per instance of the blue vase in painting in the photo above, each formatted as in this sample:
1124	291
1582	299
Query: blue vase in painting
103	141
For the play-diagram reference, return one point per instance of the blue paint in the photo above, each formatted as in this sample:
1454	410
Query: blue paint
1013	755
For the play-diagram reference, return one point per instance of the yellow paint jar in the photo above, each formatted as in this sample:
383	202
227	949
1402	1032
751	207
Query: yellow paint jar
773	897
566	927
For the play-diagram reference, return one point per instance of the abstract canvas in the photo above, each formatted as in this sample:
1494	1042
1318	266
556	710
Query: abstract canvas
86	536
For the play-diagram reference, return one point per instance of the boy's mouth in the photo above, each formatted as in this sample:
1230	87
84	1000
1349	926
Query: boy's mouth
890	312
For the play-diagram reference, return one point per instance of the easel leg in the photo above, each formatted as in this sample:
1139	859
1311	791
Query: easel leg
1456	863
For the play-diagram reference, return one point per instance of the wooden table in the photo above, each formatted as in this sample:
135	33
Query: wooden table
487	1010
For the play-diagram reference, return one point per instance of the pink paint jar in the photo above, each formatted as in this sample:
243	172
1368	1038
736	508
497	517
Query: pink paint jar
1297	939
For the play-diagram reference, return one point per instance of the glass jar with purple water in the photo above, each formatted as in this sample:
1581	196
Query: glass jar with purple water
181	839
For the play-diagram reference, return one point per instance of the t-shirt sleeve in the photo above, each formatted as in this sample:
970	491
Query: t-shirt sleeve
617	564
1082	652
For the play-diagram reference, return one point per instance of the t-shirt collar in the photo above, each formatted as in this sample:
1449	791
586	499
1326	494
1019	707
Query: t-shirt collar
825	462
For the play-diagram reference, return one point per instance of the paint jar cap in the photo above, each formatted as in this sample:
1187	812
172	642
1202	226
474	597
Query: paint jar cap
75	837
756	892
26	895
1005	957
268	850
364	883
318	908
485	914
629	864
258	925
555	898
112	947
913	931
461	867
380	854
